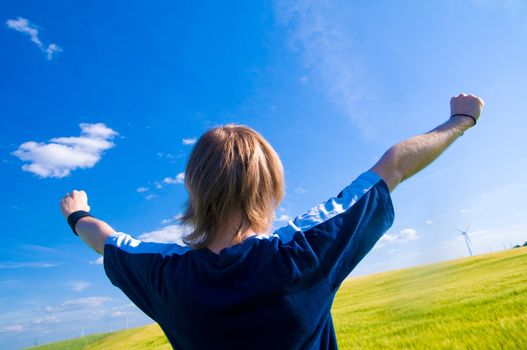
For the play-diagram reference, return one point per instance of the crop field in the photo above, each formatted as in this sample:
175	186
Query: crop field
472	303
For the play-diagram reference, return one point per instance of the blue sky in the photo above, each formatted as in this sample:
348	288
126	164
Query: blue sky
108	98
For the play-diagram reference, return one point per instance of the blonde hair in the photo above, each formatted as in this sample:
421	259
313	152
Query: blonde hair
232	170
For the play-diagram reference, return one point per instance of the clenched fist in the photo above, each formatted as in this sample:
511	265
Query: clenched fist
466	104
76	200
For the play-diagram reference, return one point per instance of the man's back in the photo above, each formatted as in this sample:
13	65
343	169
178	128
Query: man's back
273	291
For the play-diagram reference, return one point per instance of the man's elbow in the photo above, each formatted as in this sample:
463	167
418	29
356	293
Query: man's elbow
388	170
390	178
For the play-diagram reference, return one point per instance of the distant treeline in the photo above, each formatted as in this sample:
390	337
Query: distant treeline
523	245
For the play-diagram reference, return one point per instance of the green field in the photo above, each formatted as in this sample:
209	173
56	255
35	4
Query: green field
471	303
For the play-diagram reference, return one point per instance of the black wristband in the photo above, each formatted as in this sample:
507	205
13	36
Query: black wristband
74	217
465	115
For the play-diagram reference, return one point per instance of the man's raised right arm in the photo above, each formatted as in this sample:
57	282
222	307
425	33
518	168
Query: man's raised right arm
408	157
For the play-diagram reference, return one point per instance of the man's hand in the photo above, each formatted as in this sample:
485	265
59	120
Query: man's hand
92	231
466	104
76	200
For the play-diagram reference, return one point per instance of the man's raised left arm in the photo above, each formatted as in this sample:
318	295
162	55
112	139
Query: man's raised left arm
91	230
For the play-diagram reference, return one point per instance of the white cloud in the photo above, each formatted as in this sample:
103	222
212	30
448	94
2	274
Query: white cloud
179	179
165	155
169	180
22	25
189	141
61	155
389	237
320	32
142	189
98	261
283	218
158	185
172	219
408	234
118	313
428	222
51	49
167	234
150	196
79	286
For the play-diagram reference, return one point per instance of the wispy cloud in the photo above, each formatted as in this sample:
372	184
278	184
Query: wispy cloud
58	157
24	26
189	141
513	7
11	284
171	157
79	286
165	155
35	248
76	304
300	190
4	265
320	31
45	322
14	328
142	189
441	171
179	179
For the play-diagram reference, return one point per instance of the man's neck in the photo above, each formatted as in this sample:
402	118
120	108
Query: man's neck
226	239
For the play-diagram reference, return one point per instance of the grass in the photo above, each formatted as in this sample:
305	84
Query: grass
471	303
147	337
73	344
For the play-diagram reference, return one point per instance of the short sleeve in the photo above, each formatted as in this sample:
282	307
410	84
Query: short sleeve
342	230
136	267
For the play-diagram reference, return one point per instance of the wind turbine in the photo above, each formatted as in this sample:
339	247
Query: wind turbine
467	239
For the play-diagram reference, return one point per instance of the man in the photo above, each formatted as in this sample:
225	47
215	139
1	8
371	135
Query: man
234	285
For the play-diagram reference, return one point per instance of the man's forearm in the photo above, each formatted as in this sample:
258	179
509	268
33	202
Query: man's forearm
94	232
408	157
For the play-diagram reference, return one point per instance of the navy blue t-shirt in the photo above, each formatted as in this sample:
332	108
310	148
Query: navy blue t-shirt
270	291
